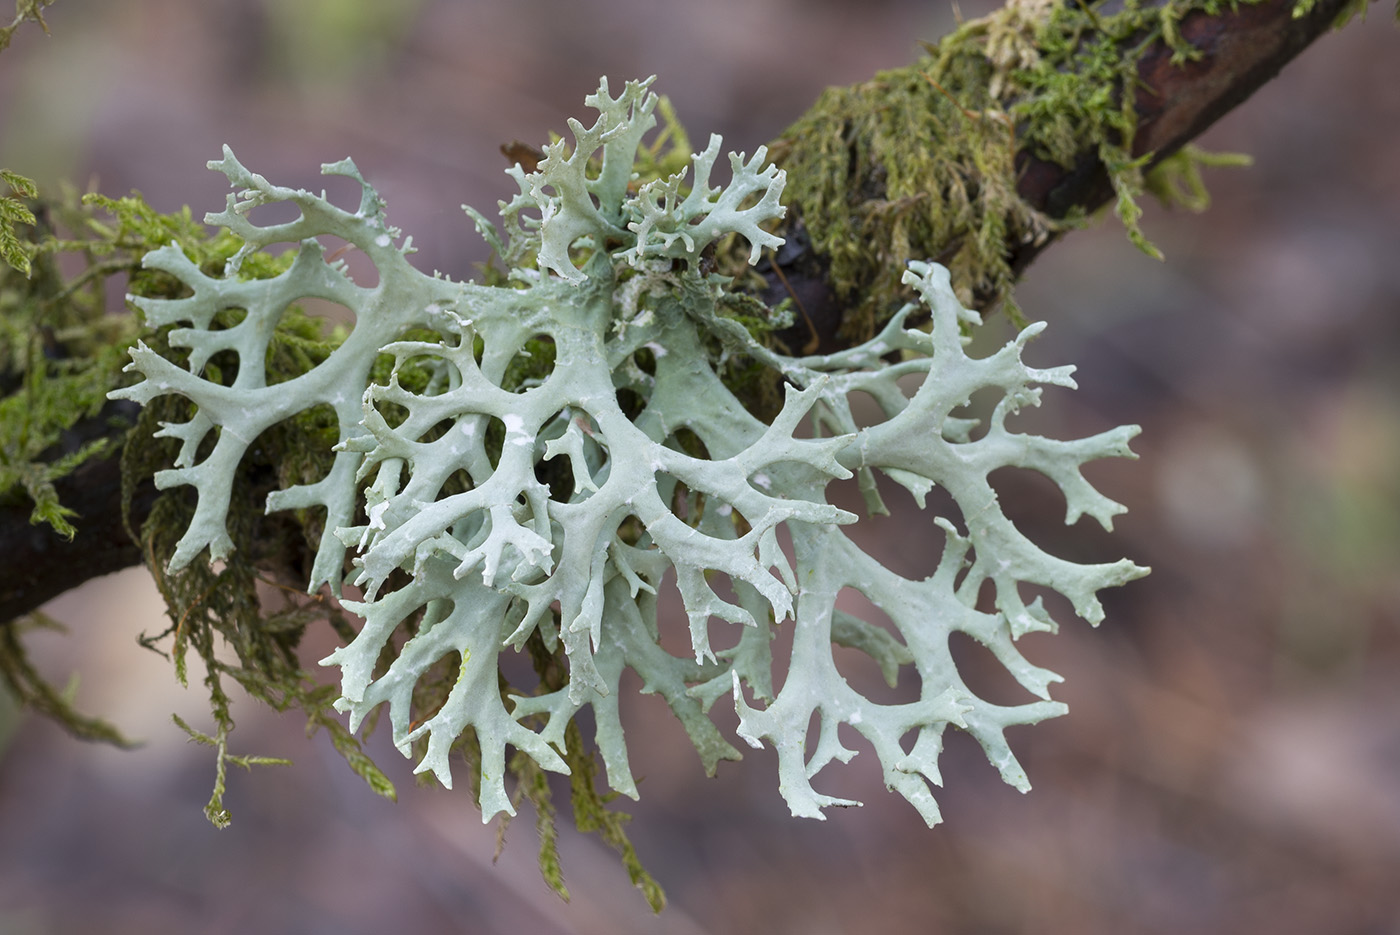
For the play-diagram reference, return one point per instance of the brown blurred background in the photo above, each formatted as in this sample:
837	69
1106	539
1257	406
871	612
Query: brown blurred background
1231	760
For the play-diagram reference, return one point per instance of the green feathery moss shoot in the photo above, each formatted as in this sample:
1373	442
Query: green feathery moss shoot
922	161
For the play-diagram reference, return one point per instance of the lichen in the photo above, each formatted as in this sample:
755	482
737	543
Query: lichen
525	465
61	351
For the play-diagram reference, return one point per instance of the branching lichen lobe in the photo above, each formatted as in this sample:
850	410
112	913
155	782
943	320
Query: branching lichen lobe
295	453
525	465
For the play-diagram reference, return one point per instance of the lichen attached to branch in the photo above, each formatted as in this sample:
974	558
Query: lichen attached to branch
527	466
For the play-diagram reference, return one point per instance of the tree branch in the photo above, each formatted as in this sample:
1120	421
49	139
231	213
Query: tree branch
40	563
1240	50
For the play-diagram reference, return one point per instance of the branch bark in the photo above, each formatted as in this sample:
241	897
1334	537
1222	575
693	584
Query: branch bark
1240	49
41	564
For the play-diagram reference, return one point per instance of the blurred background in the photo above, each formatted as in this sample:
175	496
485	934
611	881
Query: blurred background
1231	760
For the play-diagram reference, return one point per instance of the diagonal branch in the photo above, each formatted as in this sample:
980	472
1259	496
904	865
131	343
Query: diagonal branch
1235	53
1239	50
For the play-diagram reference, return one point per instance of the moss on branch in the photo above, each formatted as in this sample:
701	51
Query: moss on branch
925	160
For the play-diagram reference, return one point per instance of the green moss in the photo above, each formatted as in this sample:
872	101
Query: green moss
14	212
29	688
237	608
1355	8
61	350
913	162
920	162
592	814
1176	180
53	396
243	624
31	11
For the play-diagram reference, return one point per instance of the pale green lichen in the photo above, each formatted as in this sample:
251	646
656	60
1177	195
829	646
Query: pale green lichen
61	351
482	515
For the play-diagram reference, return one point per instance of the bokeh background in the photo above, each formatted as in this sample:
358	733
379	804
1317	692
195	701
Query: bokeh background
1231	760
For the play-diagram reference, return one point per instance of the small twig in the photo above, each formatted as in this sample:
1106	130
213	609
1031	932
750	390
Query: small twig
339	252
316	597
969	114
994	115
812	345
190	609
